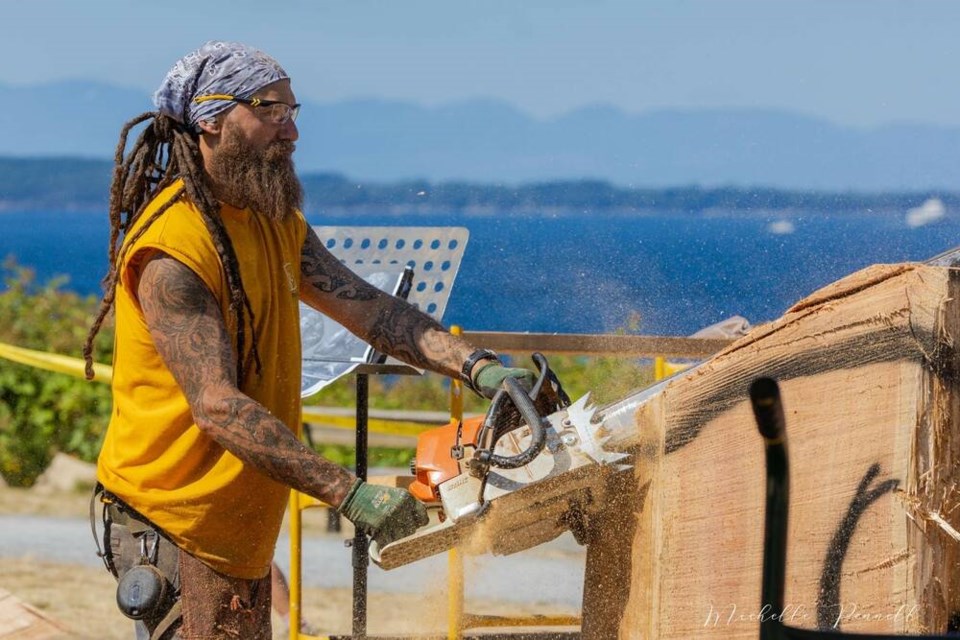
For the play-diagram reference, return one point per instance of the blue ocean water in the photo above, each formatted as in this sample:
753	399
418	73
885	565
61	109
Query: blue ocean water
587	273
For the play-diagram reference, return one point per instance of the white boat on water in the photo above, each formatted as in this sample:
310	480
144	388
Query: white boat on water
929	212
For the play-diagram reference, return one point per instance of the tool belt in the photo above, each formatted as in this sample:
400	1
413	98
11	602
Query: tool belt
142	558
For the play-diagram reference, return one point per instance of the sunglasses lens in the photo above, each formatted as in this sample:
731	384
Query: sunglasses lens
283	113
278	113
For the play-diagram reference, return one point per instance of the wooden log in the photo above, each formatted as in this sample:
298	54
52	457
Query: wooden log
868	371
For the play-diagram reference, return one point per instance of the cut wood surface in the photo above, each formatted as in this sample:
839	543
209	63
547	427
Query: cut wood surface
867	368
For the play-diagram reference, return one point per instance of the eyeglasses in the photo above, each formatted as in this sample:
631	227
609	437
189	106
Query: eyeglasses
275	111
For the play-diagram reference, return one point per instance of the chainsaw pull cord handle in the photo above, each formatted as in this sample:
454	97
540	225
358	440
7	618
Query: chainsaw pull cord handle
538	432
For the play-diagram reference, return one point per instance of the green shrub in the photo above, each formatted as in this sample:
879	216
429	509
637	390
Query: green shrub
43	412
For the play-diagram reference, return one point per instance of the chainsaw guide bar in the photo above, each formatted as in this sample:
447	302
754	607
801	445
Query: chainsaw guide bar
514	522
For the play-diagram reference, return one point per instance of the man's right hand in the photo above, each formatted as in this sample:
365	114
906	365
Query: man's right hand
490	376
385	513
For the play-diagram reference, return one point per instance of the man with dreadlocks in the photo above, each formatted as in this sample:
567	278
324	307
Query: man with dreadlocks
209	256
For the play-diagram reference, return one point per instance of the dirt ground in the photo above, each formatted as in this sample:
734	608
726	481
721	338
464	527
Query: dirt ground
81	598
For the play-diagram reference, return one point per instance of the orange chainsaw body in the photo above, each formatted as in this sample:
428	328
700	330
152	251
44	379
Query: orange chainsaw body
435	463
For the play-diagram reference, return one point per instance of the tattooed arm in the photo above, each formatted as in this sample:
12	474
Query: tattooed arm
391	325
189	332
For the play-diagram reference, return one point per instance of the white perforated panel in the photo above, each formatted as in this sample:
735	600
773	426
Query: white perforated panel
434	254
379	255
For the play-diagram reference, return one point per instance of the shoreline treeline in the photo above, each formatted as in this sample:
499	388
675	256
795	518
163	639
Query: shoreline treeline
28	184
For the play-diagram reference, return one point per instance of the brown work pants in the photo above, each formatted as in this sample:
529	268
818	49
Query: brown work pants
216	606
213	606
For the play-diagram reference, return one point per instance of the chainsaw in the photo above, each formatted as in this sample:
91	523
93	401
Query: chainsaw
534	466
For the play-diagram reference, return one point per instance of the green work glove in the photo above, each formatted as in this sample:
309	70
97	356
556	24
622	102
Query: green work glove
490	377
384	513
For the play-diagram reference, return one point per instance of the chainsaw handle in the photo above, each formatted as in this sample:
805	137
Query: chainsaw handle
528	411
547	378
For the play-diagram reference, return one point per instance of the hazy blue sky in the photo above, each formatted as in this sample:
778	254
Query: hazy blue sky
862	63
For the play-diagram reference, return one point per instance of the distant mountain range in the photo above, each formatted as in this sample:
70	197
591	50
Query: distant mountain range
490	142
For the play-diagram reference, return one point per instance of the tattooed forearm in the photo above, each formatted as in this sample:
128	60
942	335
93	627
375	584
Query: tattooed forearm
322	272
391	325
414	337
188	330
246	429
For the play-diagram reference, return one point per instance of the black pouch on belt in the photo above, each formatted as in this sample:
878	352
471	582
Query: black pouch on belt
143	592
143	560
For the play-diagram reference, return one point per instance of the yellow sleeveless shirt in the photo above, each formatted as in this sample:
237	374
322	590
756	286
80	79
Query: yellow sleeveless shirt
154	457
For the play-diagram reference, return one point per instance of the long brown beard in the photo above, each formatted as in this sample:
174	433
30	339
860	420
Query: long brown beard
262	179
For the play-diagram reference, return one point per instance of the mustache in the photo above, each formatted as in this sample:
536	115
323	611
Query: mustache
280	149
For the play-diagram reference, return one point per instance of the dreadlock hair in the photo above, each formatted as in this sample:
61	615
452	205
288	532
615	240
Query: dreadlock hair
165	151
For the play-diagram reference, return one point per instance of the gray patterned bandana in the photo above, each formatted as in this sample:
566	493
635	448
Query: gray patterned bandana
228	68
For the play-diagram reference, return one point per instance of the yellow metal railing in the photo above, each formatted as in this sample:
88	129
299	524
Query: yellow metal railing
662	368
455	577
54	362
298	502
